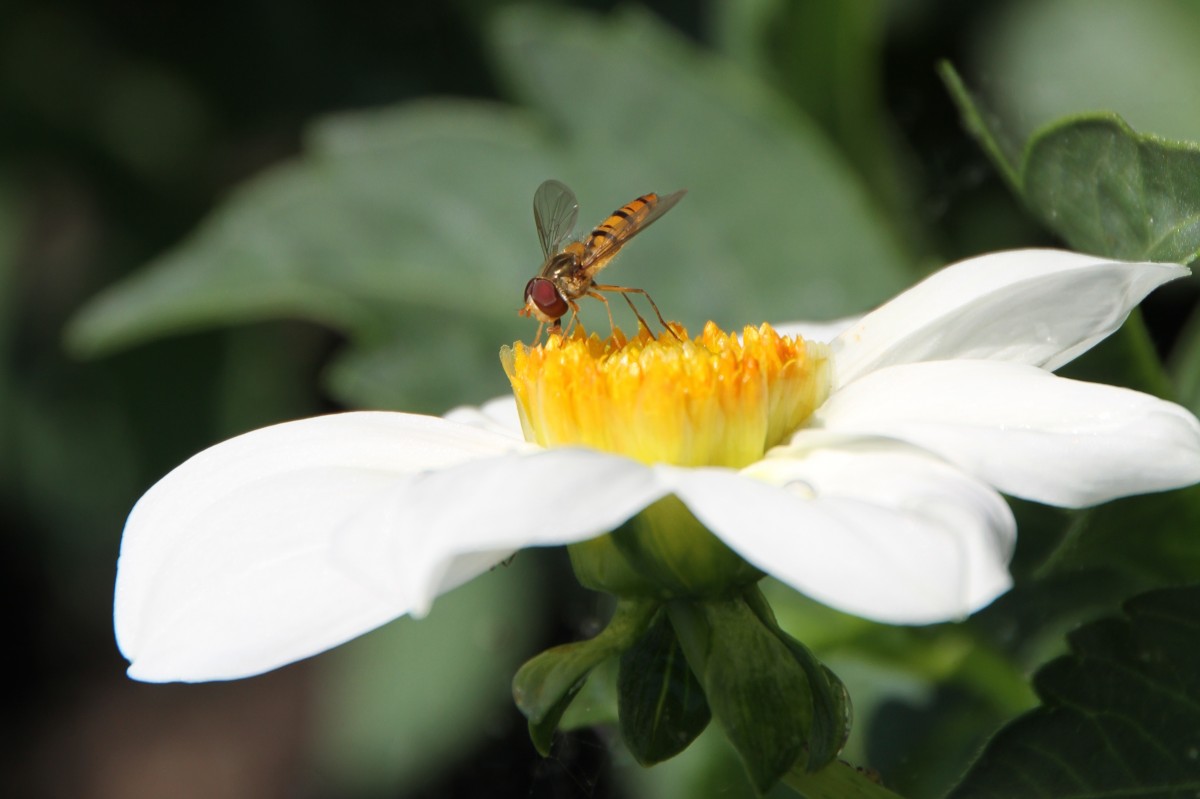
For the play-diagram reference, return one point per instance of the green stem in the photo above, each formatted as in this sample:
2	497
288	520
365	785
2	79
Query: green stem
975	125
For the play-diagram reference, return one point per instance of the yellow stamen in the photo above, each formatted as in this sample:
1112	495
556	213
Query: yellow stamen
713	400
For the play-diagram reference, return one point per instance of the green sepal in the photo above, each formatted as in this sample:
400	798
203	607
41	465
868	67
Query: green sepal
544	687
661	703
833	713
757	690
663	552
838	780
541	732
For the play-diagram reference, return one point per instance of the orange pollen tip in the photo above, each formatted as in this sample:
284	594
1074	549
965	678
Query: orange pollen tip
712	400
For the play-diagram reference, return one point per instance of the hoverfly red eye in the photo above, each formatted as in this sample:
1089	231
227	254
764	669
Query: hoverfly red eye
546	297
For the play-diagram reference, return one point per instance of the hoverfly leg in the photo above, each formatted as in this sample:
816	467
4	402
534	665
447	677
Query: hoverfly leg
574	319
612	325
633	308
625	292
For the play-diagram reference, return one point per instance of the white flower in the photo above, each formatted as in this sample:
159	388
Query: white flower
289	540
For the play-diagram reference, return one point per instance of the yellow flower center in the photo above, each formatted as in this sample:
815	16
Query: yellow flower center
715	400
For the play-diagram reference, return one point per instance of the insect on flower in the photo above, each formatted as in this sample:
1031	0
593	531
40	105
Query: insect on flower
569	272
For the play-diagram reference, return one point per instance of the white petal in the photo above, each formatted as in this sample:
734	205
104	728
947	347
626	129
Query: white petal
437	530
225	568
498	415
877	529
1027	432
1038	307
823	332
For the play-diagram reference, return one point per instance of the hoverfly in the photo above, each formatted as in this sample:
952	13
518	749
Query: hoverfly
569	272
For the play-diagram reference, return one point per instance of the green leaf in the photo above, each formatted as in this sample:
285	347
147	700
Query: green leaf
409	229
1108	190
661	703
1102	187
1119	714
756	690
826	58
544	687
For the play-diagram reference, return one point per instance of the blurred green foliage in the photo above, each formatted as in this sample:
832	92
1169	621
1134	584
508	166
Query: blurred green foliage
402	701
331	237
234	214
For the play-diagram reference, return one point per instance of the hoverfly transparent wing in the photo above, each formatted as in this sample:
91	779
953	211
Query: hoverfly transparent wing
554	212
625	223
